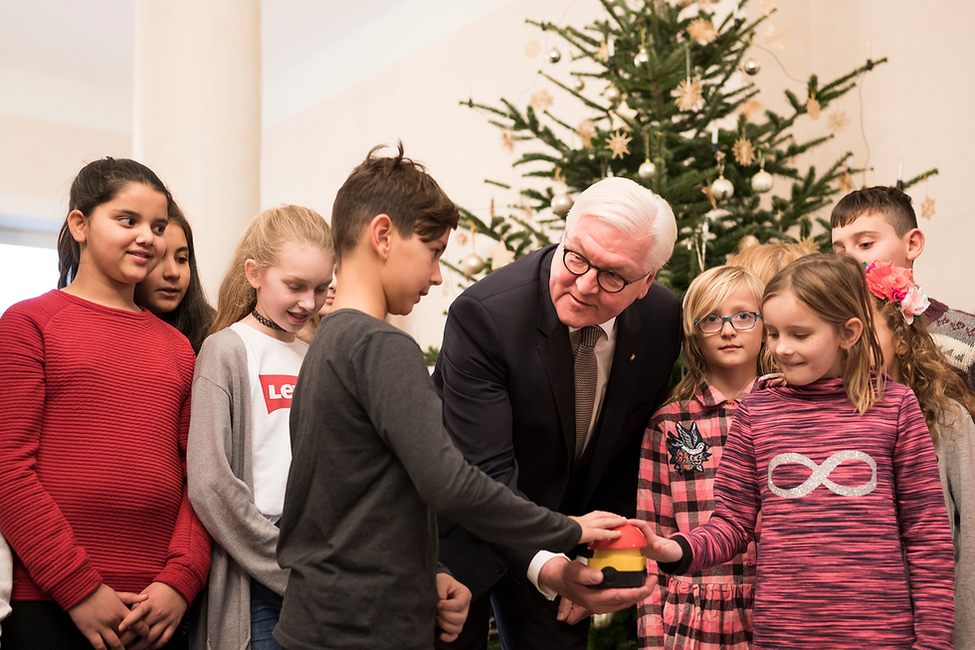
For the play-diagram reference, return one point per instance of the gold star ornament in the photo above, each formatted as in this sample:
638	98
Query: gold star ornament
618	144
541	100
744	152
749	107
927	207
838	122
586	131
501	256
508	140
702	30
690	95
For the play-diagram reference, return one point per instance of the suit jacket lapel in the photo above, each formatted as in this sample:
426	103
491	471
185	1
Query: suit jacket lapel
555	351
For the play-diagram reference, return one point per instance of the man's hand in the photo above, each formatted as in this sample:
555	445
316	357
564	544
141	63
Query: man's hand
573	581
455	599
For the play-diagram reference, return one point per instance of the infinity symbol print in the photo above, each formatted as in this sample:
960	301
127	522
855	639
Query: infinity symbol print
821	473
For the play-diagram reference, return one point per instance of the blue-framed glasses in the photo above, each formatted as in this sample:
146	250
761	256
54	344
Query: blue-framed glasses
742	321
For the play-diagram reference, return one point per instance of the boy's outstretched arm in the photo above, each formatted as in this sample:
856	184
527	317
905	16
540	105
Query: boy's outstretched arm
598	525
659	549
455	599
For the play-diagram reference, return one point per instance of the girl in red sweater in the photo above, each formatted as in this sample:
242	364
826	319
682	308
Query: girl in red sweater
94	411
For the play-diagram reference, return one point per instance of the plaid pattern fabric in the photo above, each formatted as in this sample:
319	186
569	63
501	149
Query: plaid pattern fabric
681	450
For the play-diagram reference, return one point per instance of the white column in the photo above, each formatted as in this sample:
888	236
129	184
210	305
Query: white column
198	116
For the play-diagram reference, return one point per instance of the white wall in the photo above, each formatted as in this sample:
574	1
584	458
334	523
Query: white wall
914	109
907	115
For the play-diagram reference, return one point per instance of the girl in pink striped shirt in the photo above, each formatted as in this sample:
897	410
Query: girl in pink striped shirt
841	466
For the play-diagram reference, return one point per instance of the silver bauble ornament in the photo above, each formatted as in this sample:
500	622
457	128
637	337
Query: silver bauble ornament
641	58
751	67
472	264
722	188
613	94
647	170
561	204
762	181
579	85
554	56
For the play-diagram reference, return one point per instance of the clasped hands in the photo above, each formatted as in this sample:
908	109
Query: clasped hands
118	620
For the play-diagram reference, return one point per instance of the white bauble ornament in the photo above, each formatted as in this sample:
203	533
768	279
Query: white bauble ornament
641	58
561	204
647	170
579	85
554	56
612	94
762	181
751	67
472	264
722	188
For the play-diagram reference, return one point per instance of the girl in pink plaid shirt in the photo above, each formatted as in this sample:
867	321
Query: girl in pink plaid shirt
723	339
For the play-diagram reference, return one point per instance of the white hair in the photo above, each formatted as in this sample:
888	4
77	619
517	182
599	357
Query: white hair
633	210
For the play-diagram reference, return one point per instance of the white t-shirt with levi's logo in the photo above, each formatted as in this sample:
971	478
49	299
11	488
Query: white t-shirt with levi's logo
272	366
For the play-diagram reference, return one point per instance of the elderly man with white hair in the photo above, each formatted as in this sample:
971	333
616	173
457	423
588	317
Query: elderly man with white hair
549	371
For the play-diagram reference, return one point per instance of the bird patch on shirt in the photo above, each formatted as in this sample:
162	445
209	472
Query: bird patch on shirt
688	451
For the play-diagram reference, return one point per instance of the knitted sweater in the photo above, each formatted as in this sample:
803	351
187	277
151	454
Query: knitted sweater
956	463
844	498
94	409
954	332
221	477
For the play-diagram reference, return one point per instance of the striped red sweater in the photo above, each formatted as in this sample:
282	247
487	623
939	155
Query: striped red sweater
94	410
842	497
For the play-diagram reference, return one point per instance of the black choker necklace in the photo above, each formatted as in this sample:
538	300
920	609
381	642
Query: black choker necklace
266	322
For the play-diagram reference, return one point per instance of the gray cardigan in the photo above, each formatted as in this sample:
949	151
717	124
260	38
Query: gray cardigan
956	463
221	480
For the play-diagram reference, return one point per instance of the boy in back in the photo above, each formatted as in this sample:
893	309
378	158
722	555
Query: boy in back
373	465
878	224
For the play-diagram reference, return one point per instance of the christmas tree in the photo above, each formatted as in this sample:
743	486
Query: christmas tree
677	110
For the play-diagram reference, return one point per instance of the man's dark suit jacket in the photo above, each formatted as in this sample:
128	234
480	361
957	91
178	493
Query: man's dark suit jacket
506	380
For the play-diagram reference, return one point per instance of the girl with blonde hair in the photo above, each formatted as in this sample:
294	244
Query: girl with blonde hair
683	444
239	445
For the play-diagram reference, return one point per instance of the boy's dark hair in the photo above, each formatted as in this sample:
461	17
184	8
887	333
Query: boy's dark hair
193	315
893	204
99	182
395	186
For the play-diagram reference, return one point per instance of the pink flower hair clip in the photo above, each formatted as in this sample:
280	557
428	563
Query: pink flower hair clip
889	282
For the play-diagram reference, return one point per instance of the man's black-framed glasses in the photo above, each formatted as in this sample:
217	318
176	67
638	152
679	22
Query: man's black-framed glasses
742	321
608	281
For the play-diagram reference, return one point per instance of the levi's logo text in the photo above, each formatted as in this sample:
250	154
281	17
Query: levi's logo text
278	390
